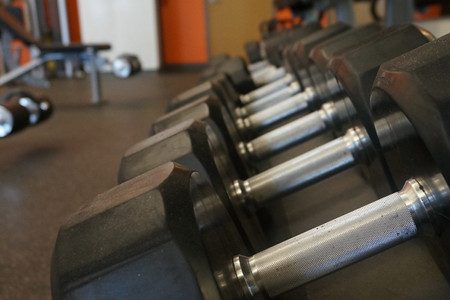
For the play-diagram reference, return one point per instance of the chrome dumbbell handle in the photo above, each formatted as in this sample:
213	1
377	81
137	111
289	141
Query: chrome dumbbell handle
257	74
268	76
331	115
272	115
330	88
281	138
257	66
305	169
336	244
269	100
267	89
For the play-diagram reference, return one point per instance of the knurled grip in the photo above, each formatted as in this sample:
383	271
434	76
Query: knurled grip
333	245
305	169
266	89
269	76
281	111
257	66
287	135
272	99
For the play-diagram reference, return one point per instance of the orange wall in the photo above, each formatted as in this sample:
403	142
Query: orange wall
183	32
74	20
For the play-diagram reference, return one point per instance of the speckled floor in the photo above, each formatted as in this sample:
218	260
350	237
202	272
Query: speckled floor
48	172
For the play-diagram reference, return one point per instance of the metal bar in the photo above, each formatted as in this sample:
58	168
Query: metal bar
275	114
269	76
65	34
269	100
288	135
22	70
350	238
254	67
260	72
267	89
34	19
96	96
306	169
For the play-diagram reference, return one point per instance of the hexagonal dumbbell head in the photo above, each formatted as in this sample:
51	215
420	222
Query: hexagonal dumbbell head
209	109
219	85
356	70
414	84
197	148
162	235
414	88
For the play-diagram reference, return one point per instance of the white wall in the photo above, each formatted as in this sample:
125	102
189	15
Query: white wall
130	26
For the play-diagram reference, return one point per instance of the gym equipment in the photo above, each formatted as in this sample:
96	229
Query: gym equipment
237	67
19	110
161	209
333	115
235	72
155	224
279	89
253	49
322	81
355	73
300	102
270	67
126	65
298	62
84	52
287	85
272	48
421	207
198	148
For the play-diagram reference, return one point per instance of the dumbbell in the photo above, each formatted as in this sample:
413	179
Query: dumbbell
285	86
322	84
269	65
157	223
333	114
126	65
19	109
296	58
213	65
272	49
234	71
412	107
355	78
315	86
291	106
266	51
199	148
270	69
174	116
254	53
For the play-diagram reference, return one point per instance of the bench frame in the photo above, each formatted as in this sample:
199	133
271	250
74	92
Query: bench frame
53	52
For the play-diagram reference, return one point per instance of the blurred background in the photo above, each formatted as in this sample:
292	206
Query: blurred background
188	33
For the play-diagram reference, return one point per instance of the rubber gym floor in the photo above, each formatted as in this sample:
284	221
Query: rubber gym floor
50	171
